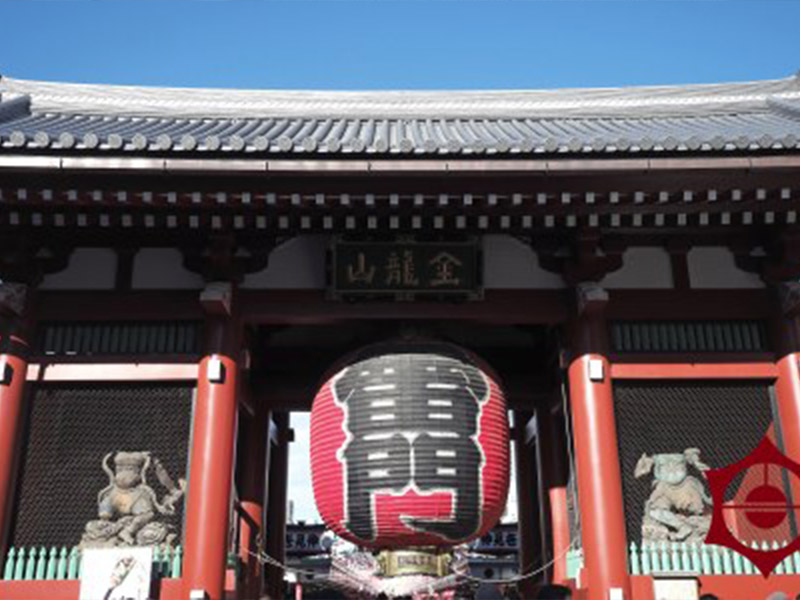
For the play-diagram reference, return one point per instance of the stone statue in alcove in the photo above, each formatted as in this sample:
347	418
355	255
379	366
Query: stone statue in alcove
129	509
678	508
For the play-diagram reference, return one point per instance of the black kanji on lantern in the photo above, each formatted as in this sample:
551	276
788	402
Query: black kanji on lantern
411	420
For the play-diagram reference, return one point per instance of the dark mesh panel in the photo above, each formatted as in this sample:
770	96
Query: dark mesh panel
725	420
110	338
70	429
689	336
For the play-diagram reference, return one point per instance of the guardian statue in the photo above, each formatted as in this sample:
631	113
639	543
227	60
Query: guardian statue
678	506
128	508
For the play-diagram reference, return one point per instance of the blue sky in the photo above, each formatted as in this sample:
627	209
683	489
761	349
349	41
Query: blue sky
399	43
380	44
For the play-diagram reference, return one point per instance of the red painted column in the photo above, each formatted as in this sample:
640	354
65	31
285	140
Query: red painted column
787	390
786	330
596	454
276	505
556	478
527	510
211	468
13	368
253	461
787	394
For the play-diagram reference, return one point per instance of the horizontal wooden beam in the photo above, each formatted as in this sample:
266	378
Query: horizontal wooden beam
663	371
498	306
513	307
111	305
51	372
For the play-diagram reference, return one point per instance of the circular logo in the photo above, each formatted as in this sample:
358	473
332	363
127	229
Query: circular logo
765	506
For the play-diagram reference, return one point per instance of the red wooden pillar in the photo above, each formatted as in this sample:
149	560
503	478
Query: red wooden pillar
276	505
14	320
596	455
13	368
527	510
786	329
211	464
554	465
787	393
253	461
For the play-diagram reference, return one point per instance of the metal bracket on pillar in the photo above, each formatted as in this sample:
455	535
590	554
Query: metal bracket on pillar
591	297
790	298
531	430
215	370
12	298
596	371
6	372
216	298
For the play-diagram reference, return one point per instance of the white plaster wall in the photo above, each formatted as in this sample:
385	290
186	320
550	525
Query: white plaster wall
510	264
642	268
714	267
162	269
296	264
88	269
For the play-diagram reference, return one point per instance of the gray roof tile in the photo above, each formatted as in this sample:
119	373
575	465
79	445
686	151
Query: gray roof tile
740	116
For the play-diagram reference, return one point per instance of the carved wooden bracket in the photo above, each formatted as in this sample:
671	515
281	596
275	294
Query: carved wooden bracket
22	261
586	257
224	258
776	259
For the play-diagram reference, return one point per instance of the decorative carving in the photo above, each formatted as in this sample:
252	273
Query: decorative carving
24	261
584	257
226	258
775	259
678	506
128	507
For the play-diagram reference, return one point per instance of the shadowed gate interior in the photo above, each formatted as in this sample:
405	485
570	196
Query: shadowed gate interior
289	363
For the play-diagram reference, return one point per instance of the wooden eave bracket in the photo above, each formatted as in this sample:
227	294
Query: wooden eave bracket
588	257
779	262
223	258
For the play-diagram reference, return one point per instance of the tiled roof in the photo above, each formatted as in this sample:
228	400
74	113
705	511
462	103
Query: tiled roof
761	115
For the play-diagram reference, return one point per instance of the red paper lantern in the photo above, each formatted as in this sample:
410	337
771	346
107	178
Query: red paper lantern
409	447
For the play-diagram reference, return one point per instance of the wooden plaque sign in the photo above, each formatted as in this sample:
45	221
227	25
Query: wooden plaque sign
407	268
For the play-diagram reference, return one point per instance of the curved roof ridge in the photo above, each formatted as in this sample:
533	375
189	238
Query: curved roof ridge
633	101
